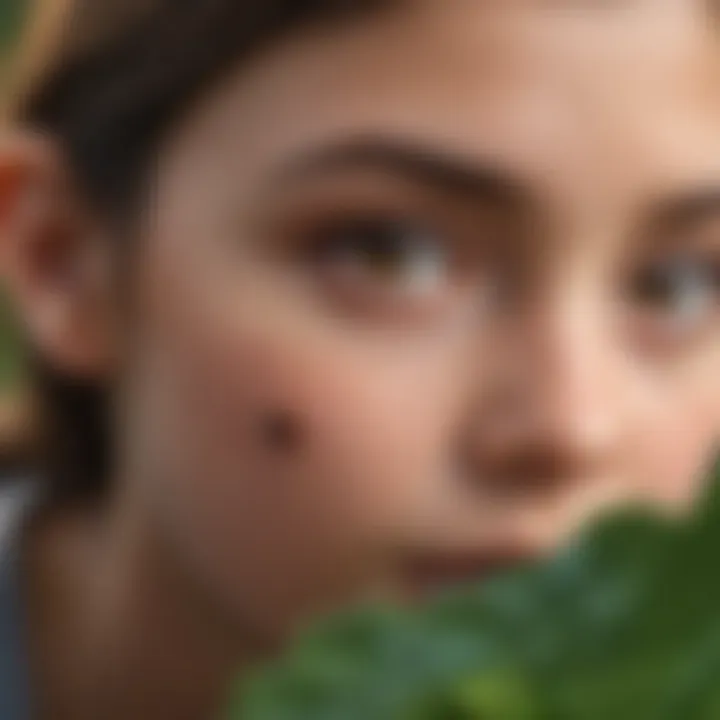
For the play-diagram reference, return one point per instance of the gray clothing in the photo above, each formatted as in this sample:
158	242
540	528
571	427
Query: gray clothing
14	680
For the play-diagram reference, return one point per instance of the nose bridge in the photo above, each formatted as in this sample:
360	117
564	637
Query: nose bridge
568	378
571	380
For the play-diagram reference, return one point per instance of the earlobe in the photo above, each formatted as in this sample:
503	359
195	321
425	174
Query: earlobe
49	246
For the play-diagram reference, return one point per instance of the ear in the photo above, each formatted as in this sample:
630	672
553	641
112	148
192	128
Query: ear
54	259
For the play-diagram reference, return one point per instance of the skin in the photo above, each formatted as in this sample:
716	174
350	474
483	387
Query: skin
504	380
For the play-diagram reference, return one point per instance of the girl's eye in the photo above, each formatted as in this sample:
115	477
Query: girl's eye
682	291
395	254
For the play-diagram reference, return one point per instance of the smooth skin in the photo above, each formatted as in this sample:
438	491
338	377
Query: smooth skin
469	251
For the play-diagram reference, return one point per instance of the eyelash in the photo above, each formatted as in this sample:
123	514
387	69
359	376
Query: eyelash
709	265
389	263
675	310
388	243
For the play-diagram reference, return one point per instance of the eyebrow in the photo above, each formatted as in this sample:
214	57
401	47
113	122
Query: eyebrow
690	208
438	169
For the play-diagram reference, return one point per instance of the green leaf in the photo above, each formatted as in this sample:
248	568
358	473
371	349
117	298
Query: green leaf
623	624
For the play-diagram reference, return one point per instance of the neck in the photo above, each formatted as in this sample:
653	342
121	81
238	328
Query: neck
117	630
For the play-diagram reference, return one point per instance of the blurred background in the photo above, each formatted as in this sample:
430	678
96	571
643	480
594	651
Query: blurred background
10	12
11	376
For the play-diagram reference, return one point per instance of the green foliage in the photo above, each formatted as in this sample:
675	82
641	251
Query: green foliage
11	356
11	12
625	625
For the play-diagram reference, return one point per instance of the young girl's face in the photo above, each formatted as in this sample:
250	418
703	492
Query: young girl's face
422	292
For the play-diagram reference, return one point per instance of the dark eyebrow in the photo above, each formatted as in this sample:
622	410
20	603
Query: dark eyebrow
436	168
689	209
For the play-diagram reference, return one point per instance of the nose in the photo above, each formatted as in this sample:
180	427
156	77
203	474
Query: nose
552	404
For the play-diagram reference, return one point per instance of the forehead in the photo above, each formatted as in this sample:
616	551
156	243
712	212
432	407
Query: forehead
545	86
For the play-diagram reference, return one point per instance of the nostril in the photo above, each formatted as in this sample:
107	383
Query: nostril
553	416
539	455
532	470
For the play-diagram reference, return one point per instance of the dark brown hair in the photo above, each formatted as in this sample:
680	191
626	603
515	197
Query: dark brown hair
124	72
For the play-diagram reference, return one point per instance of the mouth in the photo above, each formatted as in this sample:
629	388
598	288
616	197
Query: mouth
429	575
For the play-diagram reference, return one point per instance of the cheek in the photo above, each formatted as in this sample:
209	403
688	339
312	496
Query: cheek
358	429
279	527
679	442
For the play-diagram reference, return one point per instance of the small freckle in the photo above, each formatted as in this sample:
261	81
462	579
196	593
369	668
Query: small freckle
282	431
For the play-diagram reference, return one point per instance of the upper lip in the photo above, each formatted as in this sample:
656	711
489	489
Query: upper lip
430	572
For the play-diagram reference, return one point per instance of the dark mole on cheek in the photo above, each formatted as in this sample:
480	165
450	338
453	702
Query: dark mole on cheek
282	431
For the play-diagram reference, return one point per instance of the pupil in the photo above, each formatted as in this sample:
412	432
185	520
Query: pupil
671	282
380	244
383	244
656	286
